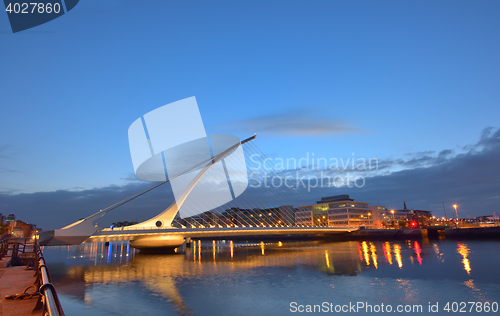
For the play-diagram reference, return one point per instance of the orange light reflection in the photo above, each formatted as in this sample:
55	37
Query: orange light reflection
387	251
464	251
397	254
365	252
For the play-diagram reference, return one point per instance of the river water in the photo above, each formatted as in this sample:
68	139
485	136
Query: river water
280	278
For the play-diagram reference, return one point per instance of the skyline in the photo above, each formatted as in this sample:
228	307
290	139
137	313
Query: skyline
414	85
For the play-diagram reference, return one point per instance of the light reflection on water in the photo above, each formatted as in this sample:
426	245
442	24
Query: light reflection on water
226	277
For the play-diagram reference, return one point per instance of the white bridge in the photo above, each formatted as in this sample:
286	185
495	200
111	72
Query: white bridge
158	231
187	159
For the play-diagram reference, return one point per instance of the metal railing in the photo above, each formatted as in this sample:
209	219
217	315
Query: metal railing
4	248
48	299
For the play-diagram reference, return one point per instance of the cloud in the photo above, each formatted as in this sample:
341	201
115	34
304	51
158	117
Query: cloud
131	177
295	124
50	210
368	167
469	179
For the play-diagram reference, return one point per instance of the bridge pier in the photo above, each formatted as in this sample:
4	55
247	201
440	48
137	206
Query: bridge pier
157	243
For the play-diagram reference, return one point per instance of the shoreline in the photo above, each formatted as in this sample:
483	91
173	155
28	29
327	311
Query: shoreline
486	233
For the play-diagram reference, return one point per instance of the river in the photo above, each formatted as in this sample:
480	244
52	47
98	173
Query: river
424	277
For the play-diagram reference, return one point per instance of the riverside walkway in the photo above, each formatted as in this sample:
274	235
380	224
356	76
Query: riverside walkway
23	276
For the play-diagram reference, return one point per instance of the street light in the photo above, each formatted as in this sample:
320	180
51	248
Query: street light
392	211
456	212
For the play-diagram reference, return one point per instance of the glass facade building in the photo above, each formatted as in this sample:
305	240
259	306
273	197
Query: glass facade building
335	211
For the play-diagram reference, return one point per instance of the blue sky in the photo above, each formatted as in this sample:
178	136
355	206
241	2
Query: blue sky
385	79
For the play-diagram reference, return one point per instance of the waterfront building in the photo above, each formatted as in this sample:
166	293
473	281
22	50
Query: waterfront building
392	218
421	217
335	211
21	229
312	215
10	218
406	217
378	215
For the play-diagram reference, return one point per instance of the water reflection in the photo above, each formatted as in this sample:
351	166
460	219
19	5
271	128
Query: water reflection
77	268
418	251
387	252
397	254
374	255
464	251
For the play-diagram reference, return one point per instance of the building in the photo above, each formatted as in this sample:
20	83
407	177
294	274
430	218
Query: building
347	212
312	215
10	218
421	217
335	211
406	218
378	215
20	229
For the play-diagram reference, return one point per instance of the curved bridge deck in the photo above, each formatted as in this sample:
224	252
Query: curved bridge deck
127	234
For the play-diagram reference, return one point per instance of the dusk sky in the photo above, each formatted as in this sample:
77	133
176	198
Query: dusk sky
413	84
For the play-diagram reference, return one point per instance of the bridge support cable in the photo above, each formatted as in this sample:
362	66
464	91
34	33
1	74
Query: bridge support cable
209	179
220	211
136	195
245	200
213	176
270	195
249	220
265	198
252	196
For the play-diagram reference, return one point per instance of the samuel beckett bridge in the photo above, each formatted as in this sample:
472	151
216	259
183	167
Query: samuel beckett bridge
209	177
